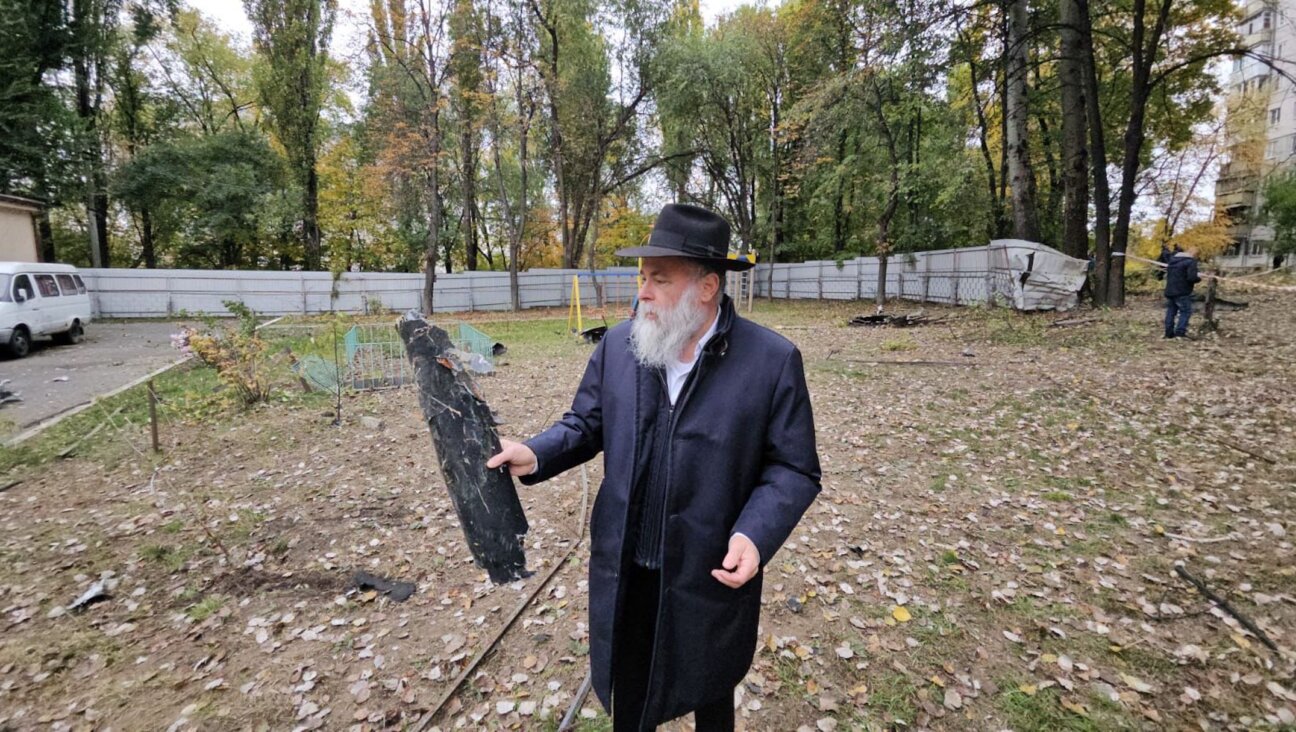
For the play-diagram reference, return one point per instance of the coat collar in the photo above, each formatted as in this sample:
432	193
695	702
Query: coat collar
719	342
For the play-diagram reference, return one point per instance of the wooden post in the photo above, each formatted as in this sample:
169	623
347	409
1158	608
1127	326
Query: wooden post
153	422
1209	324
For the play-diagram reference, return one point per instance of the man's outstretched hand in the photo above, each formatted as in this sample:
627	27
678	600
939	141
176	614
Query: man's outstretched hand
519	458
740	564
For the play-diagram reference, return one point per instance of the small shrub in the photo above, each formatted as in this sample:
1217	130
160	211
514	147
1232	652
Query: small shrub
204	609
899	344
242	359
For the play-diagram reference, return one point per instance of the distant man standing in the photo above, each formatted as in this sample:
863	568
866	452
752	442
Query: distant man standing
1181	275
708	445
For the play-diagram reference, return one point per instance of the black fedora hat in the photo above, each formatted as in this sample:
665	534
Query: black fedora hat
684	230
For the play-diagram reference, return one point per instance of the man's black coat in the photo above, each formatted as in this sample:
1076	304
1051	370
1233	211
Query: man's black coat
1181	275
741	459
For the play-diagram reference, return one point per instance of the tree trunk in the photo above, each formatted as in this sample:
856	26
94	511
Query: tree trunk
839	226
1145	53
469	176
91	153
1075	154
311	220
100	198
1052	201
46	230
432	250
893	199
1020	172
995	203
148	250
1098	146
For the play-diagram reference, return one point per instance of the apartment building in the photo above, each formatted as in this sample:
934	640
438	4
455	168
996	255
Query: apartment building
1260	126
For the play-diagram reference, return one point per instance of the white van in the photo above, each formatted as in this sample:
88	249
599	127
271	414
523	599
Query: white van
39	300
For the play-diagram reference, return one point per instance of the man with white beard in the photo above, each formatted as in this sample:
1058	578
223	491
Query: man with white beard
707	434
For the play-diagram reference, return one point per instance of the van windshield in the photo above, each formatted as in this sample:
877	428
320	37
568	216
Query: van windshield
5	295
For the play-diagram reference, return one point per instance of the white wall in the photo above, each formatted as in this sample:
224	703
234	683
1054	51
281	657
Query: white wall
17	235
950	276
135	293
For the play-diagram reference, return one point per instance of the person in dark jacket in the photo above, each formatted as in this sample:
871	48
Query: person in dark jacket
1164	258
708	442
1181	275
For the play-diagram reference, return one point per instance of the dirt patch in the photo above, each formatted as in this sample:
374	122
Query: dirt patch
247	581
994	547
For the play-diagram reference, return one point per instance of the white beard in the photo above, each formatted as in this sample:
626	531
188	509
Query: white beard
657	342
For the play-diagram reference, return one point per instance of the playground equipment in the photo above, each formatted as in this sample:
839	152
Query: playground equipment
618	292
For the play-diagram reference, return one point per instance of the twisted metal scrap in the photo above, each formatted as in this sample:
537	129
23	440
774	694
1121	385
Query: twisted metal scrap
463	432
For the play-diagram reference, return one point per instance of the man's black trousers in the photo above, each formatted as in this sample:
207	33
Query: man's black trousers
634	658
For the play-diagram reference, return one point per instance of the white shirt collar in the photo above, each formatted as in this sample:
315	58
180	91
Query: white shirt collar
677	371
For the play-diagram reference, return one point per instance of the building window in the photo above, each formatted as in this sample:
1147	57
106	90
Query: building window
1275	115
1266	19
1271	150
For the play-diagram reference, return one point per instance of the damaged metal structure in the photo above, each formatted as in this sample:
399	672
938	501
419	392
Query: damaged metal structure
463	432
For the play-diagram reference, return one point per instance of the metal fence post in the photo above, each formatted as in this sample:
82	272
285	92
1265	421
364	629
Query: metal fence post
957	278
303	292
926	277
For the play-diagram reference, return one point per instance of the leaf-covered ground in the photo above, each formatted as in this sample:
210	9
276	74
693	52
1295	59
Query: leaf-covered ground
994	546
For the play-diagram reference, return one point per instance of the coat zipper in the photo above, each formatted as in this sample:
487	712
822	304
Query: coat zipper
693	378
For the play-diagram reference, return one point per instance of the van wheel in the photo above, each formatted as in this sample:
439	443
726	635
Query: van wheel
19	342
72	335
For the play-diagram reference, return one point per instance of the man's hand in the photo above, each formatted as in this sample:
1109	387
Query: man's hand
520	459
740	564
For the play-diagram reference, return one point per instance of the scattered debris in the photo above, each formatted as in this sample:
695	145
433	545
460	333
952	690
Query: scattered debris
97	592
396	590
908	320
7	395
1068	322
463	431
595	334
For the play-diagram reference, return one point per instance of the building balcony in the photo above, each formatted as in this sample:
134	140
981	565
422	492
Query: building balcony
1226	185
1240	193
1260	38
1242	198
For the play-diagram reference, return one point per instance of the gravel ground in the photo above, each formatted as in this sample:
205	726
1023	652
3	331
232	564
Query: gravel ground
53	378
